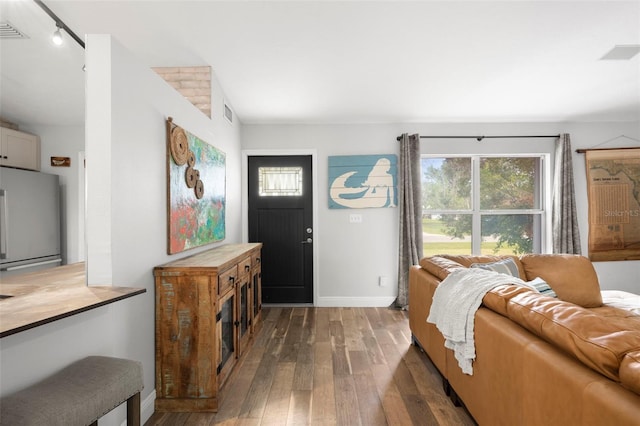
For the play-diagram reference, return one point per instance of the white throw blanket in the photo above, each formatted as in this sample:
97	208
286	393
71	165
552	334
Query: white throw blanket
622	300
455	302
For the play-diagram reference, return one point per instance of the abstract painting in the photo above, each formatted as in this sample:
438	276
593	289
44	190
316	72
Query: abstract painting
363	181
196	190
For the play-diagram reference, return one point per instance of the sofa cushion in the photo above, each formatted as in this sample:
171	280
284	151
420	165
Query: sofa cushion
589	337
630	371
542	287
439	266
467	260
504	266
572	277
498	297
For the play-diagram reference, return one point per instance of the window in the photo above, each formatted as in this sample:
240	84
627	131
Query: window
280	181
484	204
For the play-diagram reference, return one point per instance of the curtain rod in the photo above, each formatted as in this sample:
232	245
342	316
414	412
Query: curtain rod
480	138
582	151
59	22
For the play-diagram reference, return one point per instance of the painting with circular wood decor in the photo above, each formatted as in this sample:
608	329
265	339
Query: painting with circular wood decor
196	184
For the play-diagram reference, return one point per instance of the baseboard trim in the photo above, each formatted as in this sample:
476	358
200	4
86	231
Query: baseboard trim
355	302
147	408
287	305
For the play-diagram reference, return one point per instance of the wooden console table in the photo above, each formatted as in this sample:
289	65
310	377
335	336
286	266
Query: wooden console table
207	309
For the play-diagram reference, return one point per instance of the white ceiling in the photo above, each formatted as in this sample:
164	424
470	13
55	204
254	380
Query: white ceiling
348	61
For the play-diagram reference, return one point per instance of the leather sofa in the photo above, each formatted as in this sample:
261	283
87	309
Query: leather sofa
540	360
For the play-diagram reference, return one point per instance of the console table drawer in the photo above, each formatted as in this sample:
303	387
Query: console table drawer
244	266
227	279
255	259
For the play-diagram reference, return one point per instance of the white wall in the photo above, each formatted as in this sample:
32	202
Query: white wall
620	275
139	103
352	256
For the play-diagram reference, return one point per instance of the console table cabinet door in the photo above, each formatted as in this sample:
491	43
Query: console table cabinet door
243	296
256	296
226	331
184	323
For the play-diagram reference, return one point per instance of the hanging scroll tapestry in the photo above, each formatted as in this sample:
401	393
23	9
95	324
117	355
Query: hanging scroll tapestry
613	185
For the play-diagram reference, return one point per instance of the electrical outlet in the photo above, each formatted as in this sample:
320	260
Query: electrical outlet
355	218
383	281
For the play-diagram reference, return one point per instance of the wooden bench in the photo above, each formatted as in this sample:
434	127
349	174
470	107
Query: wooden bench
78	395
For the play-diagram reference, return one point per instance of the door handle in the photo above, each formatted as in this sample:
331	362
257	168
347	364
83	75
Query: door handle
308	241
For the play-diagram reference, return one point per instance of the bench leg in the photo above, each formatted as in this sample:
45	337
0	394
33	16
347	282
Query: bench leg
133	410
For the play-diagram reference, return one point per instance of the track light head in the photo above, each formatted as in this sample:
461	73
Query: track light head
57	36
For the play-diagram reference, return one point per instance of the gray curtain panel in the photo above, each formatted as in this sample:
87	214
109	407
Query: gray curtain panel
566	235
410	205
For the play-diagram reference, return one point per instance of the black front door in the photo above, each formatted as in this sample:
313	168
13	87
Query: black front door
280	217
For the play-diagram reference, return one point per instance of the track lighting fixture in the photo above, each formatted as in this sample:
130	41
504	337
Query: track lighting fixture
57	36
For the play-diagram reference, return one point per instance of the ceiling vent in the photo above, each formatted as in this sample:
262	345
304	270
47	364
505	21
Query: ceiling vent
622	52
7	30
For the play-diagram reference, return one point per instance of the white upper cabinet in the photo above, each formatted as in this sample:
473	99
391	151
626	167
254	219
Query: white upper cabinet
19	149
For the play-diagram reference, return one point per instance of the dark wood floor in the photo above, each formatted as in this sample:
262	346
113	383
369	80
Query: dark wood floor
330	366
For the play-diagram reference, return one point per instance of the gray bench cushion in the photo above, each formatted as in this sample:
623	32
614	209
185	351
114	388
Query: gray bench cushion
77	395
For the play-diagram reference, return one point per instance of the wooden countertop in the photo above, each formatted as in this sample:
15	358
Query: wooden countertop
45	296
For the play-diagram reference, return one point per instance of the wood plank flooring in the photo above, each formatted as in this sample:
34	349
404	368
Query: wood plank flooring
330	366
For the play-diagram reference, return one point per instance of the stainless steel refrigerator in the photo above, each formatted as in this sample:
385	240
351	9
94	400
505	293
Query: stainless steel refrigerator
29	221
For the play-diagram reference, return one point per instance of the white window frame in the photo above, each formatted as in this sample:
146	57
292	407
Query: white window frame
543	245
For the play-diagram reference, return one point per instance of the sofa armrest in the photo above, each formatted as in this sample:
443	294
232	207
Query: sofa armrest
630	371
588	337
